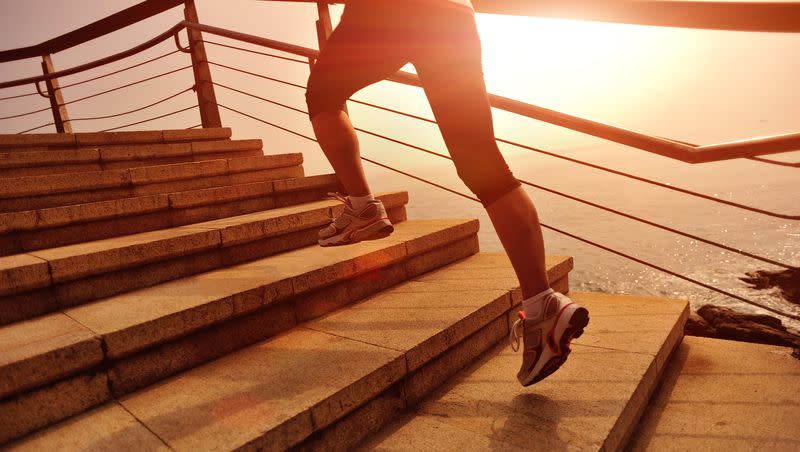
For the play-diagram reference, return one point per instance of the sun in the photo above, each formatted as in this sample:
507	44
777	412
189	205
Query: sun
523	54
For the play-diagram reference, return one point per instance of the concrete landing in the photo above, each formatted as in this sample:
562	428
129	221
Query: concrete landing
592	403
727	396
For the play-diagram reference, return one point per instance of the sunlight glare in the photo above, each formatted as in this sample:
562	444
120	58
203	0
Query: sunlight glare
560	61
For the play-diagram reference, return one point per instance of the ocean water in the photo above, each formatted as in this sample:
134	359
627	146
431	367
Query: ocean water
599	270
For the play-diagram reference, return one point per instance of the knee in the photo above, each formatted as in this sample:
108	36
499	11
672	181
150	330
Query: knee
321	100
489	182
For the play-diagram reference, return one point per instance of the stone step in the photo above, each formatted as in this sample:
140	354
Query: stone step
39	192
323	384
87	159
45	280
64	225
44	141
724	395
592	403
61	364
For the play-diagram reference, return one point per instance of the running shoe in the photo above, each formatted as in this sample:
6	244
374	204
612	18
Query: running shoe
546	338
369	223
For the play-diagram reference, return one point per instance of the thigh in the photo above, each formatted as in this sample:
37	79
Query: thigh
449	66
357	54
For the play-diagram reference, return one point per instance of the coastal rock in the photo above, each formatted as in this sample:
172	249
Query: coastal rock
697	326
717	315
724	323
787	280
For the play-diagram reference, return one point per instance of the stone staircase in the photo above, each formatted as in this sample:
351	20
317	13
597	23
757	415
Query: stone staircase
133	262
164	291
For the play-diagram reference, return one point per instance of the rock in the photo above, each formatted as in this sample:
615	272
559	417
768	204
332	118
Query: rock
787	280
726	323
697	326
716	314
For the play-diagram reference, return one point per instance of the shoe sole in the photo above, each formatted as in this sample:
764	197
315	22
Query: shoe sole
373	231
577	323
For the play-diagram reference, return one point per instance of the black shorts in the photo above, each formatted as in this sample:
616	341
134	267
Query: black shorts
375	38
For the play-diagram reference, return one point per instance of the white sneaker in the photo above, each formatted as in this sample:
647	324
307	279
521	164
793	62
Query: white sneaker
546	340
369	223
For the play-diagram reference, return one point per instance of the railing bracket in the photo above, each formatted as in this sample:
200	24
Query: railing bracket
39	90
178	42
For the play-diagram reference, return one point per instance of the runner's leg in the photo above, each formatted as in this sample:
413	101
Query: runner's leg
451	74
357	54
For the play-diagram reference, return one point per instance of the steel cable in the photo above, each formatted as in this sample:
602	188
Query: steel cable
266	122
151	119
773	162
554	229
259	97
100	93
254	74
602	207
552	154
18	96
120	70
564	195
280	57
131	111
37	128
25	114
82	82
609	170
127	85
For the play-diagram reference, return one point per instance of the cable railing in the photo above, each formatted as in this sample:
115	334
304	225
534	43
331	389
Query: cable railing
555	229
135	110
552	154
165	115
528	183
98	94
127	68
209	106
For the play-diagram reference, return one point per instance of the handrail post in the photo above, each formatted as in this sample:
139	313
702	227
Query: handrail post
206	98
324	24
60	116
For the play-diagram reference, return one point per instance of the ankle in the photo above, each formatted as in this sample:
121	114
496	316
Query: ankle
534	306
359	202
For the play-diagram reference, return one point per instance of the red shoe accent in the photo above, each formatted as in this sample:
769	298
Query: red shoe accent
551	342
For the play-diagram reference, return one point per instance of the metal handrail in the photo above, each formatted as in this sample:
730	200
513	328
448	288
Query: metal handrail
102	27
678	150
100	62
739	16
668	148
773	17
516	144
732	16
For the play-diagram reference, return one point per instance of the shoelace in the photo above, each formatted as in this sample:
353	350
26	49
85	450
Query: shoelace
344	200
513	337
336	195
